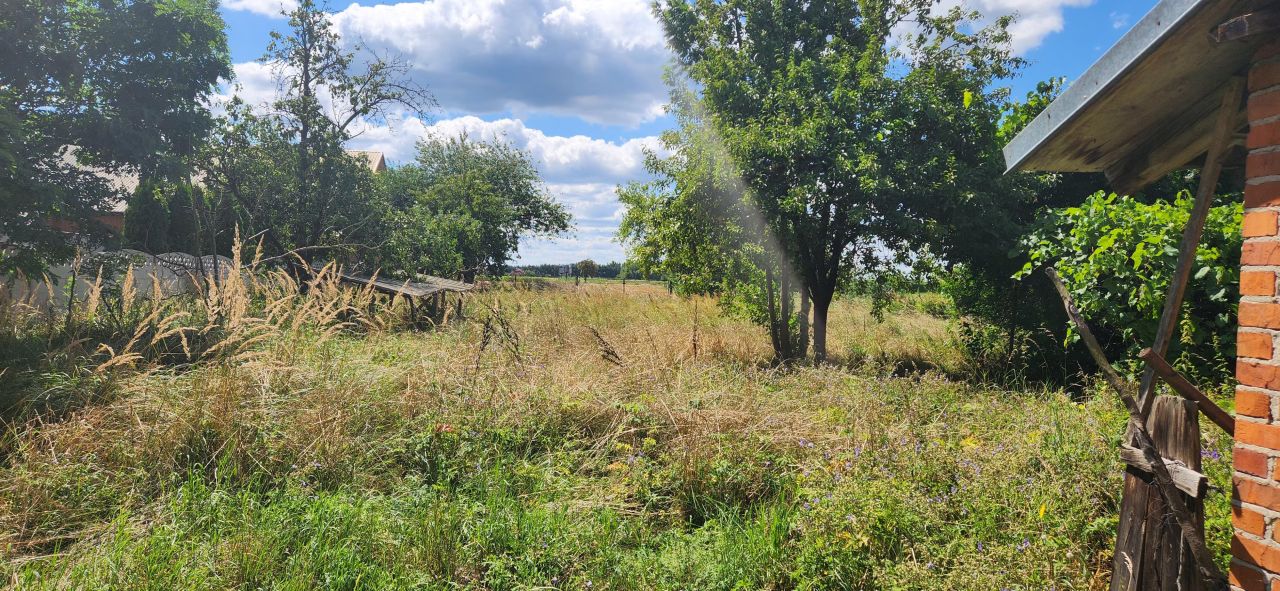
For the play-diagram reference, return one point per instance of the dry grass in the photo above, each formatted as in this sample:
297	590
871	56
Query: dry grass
555	438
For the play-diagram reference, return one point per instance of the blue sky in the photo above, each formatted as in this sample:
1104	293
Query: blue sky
578	83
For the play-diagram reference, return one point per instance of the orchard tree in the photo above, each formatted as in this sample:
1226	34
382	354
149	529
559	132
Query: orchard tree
462	208
124	82
834	113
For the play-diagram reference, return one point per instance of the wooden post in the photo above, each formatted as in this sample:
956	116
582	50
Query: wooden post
1151	552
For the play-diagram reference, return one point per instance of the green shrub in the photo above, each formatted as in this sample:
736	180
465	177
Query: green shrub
1117	256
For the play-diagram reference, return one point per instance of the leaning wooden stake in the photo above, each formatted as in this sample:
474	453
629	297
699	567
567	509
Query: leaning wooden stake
1223	132
1188	390
1164	482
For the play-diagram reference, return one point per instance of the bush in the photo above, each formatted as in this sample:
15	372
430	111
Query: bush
1117	256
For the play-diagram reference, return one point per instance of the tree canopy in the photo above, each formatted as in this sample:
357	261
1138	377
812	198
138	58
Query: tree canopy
89	87
844	131
464	206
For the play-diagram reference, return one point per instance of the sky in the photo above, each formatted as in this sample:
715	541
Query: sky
578	83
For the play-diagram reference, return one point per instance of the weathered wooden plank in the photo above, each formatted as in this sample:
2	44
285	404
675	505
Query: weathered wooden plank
1188	390
1126	566
1223	132
1174	144
1175	427
1189	481
417	289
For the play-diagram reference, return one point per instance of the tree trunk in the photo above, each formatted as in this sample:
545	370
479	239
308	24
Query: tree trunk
803	351
821	305
773	311
785	311
1015	297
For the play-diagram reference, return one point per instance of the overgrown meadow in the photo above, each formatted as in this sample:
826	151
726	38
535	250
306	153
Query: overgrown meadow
608	436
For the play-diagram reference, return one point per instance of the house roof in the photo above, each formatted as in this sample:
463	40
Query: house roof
376	160
1146	107
124	181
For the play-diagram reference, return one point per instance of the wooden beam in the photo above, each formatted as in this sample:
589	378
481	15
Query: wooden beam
1142	439
1184	387
1248	25
1223	133
1187	480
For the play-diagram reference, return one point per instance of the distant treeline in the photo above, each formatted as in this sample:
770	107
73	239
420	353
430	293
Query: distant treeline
612	270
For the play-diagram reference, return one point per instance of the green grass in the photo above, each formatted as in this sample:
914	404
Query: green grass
448	460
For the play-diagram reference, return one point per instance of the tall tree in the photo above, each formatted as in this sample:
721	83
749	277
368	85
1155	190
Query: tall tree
825	109
587	268
124	82
286	168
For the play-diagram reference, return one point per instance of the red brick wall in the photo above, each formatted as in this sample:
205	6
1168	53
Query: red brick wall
1256	502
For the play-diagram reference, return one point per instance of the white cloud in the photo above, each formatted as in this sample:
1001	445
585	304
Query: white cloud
600	60
271	8
254	83
1036	20
597	60
1119	20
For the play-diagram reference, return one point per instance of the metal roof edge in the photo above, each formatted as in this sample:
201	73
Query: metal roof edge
1159	23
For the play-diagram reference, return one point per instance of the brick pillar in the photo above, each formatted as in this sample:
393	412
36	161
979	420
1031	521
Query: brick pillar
1256	502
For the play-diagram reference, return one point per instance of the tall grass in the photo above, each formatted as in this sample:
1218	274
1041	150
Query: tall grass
566	438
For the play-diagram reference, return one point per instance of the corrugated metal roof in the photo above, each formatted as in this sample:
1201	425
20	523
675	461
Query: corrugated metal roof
1146	106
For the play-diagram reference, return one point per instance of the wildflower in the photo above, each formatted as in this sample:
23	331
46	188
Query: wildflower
1211	454
1024	544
